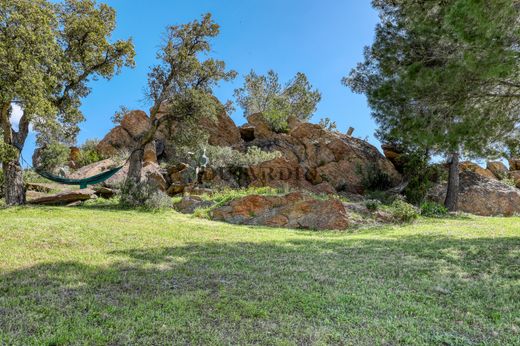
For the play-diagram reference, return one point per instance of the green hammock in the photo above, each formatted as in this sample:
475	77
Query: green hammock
96	179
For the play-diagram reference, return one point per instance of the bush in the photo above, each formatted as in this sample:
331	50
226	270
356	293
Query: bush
373	178
220	157
144	195
420	175
327	124
508	182
372	204
88	153
53	156
385	198
402	211
432	209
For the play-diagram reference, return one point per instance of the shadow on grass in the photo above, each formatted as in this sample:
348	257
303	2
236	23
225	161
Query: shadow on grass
413	290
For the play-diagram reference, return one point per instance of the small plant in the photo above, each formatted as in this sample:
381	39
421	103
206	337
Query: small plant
327	124
372	204
508	182
402	211
432	209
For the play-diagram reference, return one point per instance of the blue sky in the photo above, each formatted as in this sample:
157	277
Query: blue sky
324	39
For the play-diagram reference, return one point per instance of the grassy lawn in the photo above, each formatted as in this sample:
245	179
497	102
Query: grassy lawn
102	276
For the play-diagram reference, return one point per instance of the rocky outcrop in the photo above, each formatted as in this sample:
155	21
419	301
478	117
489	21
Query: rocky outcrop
65	197
514	164
515	176
481	196
497	168
124	136
313	159
152	172
322	156
188	204
473	167
294	210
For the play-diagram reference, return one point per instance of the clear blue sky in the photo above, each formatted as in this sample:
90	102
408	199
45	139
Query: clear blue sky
324	39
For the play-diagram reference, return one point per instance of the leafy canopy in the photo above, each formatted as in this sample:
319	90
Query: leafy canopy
443	75
264	94
180	85
48	54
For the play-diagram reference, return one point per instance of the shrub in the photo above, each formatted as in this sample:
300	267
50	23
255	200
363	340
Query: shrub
508	182
432	209
373	178
372	204
53	156
327	124
402	211
381	196
144	195
420	175
88	153
220	157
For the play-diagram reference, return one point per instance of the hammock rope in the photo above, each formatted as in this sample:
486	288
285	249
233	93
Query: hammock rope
83	183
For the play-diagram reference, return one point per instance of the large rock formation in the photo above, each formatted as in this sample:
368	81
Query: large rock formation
482	196
497	168
294	210
473	167
322	156
312	158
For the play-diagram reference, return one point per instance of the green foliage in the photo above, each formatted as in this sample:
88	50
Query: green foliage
432	209
373	178
443	75
49	52
30	176
402	211
420	174
509	182
327	124
264	94
181	84
120	114
53	156
372	204
220	157
88	153
144	195
7	152
384	197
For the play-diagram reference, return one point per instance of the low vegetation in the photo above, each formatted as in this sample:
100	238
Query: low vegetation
93	275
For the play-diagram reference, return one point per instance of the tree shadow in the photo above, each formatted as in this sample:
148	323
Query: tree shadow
417	289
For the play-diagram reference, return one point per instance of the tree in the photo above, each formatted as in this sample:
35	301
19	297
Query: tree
48	54
180	85
443	77
265	94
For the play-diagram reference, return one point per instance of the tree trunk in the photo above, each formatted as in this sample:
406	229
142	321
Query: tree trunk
453	183
14	186
135	167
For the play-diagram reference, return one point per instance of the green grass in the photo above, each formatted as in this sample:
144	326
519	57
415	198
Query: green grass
102	276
